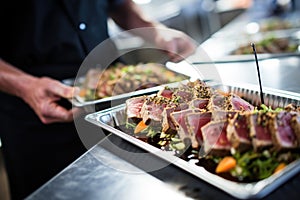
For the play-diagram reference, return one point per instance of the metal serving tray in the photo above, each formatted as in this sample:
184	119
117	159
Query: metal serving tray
104	103
77	101
227	45
110	118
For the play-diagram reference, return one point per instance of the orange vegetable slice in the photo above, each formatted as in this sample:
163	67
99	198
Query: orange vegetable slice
82	92
226	164
280	167
140	127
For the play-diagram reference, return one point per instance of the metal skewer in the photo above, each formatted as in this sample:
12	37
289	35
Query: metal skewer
258	73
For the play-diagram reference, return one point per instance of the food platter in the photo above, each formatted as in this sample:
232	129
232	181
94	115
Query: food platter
128	81
228	48
79	102
269	43
111	118
277	23
243	31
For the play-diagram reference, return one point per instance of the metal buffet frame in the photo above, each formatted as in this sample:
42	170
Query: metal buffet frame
107	119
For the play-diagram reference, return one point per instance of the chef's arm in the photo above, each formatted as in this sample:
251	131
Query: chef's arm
129	16
12	79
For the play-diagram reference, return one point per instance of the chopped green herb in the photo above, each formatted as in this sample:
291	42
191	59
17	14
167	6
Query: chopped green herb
176	139
253	165
130	125
151	133
162	143
178	146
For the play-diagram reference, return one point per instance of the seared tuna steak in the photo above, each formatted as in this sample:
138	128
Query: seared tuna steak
215	140
167	123
178	119
199	103
165	92
259	130
238	133
152	109
284	136
134	106
220	115
240	104
229	102
194	123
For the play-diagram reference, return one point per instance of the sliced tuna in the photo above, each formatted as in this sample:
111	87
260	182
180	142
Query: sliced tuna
215	140
284	136
194	123
238	133
259	131
134	106
229	102
178	119
167	122
199	103
152	109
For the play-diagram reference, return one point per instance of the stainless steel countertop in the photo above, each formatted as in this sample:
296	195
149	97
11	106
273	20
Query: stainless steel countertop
100	174
109	171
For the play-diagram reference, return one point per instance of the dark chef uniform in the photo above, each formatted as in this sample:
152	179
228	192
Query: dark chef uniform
44	38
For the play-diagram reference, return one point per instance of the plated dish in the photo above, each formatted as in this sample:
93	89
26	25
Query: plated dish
274	24
270	45
205	132
120	79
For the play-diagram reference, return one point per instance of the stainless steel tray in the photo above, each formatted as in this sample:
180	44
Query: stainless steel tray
109	118
227	45
80	102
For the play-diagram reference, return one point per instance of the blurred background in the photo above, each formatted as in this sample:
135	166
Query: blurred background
200	19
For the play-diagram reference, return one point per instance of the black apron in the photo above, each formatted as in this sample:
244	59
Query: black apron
44	38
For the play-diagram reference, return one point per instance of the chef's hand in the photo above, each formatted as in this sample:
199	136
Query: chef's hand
43	95
177	44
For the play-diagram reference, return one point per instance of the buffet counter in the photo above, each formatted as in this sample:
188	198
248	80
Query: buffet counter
109	171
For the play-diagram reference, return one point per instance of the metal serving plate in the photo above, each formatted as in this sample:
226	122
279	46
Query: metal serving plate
112	117
81	102
227	45
100	104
